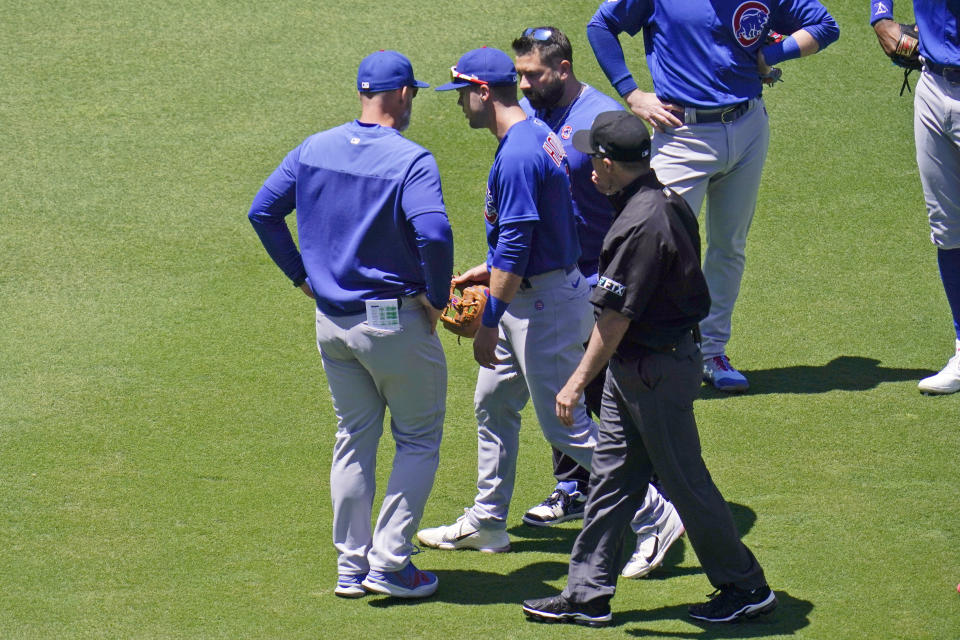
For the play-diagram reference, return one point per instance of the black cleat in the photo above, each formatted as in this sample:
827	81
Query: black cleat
729	604
559	609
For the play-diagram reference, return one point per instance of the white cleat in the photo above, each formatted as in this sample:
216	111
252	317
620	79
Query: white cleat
463	535
652	548
947	381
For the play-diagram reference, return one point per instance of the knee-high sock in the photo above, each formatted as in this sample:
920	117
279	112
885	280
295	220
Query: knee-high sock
949	261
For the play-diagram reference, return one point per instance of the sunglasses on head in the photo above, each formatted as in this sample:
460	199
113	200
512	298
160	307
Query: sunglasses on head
540	34
456	75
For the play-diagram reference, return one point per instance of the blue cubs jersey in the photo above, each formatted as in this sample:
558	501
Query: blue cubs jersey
591	208
358	189
701	53
938	22
529	182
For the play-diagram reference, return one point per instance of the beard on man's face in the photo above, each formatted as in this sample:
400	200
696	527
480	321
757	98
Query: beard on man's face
546	97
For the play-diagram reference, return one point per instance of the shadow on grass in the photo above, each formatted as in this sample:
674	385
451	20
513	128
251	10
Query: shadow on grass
483	587
791	615
844	373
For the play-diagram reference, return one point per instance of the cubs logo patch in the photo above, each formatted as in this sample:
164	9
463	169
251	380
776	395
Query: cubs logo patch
566	132
612	286
749	22
490	209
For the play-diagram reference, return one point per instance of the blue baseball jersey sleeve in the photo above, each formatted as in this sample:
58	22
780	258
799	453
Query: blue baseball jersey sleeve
371	220
701	53
938	22
591	208
529	183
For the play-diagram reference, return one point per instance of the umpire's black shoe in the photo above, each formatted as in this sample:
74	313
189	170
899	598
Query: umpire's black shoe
559	609
729	604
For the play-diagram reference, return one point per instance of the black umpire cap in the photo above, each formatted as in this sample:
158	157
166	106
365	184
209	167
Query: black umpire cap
618	135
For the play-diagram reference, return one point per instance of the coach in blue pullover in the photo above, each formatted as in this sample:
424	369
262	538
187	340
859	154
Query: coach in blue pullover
376	251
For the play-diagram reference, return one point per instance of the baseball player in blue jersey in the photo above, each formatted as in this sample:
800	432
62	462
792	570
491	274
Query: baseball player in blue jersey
553	94
936	127
537	317
708	60
376	252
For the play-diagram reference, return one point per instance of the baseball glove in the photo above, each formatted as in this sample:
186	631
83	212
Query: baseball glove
907	53
462	313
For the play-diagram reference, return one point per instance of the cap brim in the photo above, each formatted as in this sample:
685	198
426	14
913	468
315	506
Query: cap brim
456	84
420	84
581	141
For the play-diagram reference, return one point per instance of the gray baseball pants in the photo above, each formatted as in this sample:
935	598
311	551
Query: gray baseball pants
369	370
721	163
936	128
541	342
647	424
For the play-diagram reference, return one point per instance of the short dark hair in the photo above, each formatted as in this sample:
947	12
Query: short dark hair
552	48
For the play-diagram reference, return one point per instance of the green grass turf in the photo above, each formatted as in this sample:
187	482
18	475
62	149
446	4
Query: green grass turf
165	428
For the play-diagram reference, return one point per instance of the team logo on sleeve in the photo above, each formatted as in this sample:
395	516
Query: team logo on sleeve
490	208
612	286
881	9
749	22
566	132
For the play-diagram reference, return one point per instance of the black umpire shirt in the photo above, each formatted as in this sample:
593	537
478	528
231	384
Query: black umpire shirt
650	267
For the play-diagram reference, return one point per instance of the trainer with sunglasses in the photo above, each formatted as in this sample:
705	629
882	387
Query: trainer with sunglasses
651	294
709	61
553	94
537	317
376	252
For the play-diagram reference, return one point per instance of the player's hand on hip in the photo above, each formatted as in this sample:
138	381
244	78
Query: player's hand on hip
485	347
888	33
305	287
433	314
649	108
567	401
477	275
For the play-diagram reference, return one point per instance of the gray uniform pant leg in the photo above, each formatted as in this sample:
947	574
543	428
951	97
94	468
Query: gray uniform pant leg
936	127
369	370
541	339
647	424
722	164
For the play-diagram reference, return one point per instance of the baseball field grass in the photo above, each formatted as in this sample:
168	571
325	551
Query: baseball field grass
165	425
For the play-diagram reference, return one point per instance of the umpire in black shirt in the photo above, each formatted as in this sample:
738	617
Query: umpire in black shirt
650	296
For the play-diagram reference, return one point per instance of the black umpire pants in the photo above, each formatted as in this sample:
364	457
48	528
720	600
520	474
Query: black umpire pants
647	424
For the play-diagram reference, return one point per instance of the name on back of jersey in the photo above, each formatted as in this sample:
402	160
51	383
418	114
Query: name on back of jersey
554	149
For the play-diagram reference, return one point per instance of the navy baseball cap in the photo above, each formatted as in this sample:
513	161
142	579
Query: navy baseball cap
482	66
386	71
618	135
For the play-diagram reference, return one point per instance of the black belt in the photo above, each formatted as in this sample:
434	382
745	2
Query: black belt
726	115
950	74
670	347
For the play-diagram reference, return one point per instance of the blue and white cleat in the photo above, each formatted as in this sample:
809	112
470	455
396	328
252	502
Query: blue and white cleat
408	582
350	585
718	371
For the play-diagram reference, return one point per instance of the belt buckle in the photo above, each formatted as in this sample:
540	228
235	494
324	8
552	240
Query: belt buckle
723	115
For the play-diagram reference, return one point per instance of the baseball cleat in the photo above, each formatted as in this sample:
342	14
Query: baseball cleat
559	507
408	582
729	604
947	381
718	371
463	535
350	586
559	609
652	548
